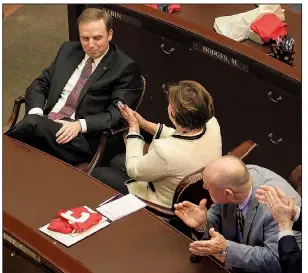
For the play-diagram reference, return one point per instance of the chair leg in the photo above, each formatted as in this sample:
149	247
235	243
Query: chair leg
98	155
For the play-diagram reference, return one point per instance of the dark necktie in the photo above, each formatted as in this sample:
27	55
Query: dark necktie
240	223
71	103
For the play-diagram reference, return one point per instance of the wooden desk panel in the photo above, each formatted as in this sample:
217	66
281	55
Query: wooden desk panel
36	186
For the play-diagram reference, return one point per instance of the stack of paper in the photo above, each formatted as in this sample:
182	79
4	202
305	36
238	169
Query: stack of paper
121	207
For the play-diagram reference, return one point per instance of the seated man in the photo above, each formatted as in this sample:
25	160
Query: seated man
76	97
237	230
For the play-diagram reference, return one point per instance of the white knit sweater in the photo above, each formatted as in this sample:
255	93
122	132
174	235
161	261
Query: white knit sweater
168	161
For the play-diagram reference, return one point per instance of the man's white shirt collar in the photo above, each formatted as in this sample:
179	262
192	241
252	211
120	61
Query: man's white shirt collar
97	60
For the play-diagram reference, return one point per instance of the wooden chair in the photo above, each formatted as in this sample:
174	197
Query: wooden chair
86	167
191	189
295	179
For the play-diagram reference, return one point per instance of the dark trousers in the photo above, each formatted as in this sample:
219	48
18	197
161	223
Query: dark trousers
40	132
115	175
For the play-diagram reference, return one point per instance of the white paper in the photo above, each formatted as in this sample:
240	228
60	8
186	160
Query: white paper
237	26
121	207
72	238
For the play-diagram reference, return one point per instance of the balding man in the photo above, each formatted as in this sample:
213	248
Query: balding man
237	230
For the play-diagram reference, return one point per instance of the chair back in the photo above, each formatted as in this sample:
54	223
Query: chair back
191	187
144	84
295	179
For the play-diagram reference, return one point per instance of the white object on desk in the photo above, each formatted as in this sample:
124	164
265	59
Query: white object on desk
237	26
121	207
70	239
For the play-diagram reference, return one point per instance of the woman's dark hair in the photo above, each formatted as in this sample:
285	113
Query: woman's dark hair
193	105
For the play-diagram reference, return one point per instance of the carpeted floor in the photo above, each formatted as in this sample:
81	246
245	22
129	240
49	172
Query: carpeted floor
31	37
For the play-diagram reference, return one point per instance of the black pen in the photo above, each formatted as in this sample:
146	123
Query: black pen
110	199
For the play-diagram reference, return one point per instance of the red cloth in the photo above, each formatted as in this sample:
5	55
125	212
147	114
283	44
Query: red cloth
154	6
174	7
171	7
60	225
74	220
269	27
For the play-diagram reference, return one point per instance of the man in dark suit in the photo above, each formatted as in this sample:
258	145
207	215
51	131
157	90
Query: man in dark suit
76	97
284	211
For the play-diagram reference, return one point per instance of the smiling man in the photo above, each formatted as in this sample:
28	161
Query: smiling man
76	97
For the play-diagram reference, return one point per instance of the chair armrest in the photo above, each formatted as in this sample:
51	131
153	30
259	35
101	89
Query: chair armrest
101	147
244	149
159	210
116	131
14	115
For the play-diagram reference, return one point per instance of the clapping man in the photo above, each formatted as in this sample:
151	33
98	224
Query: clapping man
237	230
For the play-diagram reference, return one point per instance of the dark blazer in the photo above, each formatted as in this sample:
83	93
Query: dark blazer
290	256
117	77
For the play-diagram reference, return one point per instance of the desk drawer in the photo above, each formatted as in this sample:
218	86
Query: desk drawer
277	114
281	158
15	261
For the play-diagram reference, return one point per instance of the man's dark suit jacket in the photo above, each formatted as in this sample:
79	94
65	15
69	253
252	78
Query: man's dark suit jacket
117	77
290	256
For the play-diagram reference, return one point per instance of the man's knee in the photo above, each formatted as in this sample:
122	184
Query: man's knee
25	126
41	126
32	120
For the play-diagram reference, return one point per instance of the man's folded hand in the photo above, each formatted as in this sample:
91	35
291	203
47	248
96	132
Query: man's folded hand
68	131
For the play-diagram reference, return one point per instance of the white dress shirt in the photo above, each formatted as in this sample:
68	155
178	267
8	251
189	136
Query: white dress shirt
69	87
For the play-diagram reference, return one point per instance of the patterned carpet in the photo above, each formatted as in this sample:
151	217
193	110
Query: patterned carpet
31	37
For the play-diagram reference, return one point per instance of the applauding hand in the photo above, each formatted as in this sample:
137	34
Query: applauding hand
191	214
129	116
215	245
142	122
282	209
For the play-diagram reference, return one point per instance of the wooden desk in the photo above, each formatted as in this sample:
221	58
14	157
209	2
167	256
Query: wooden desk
255	96
195	14
36	186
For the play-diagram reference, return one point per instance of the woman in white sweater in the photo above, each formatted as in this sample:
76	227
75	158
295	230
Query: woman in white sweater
173	153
